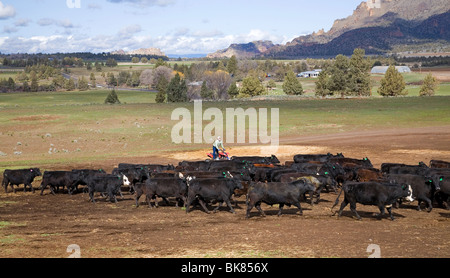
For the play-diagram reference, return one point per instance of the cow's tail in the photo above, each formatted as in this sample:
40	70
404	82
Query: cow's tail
337	199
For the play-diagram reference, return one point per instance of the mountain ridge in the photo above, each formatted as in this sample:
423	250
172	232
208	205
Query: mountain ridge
402	21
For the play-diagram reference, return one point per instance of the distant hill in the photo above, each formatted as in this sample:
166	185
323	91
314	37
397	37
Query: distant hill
248	50
142	51
378	26
375	40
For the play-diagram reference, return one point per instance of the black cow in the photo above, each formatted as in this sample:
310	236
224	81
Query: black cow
257	159
85	176
302	158
420	169
343	161
55	179
423	188
175	187
18	177
212	190
439	164
443	196
194	165
373	193
281	193
109	184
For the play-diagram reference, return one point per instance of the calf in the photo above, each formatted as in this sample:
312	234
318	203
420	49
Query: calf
374	194
210	190
281	193
18	177
109	184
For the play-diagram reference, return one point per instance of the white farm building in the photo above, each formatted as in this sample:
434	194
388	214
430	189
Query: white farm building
307	74
382	70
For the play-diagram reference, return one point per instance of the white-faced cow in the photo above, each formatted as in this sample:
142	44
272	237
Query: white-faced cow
373	194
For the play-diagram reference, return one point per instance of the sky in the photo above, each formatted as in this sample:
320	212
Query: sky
174	26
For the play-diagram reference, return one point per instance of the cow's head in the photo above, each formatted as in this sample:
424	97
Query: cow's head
434	181
126	181
274	159
407	192
190	180
36	172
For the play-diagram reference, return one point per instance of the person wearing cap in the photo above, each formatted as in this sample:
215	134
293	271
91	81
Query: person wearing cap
216	146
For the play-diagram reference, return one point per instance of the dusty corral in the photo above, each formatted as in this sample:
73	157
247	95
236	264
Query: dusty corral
44	226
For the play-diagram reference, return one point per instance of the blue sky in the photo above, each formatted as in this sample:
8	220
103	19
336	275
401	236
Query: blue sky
174	26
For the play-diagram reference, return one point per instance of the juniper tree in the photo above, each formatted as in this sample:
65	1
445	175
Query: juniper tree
292	85
429	86
392	84
112	98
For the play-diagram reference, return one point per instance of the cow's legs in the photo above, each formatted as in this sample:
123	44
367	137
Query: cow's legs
230	206
382	211
281	210
353	209
390	213
136	198
203	204
299	207
258	207
343	205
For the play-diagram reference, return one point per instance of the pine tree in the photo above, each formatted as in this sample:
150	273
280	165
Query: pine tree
205	92
429	86
83	84
322	85
93	80
358	74
177	90
251	86
34	84
112	98
233	90
162	89
232	65
392	84
339	72
292	85
69	85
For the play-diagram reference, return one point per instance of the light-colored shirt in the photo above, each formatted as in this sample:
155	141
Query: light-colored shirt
218	144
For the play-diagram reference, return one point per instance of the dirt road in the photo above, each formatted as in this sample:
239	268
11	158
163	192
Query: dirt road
44	226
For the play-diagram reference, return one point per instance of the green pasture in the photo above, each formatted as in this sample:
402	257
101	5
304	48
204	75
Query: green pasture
83	129
73	98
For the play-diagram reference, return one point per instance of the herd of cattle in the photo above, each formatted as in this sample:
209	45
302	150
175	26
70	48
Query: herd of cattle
261	179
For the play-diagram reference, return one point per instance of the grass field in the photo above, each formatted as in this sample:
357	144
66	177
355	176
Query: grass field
49	128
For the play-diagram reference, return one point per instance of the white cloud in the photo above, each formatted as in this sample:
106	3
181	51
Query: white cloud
65	23
182	41
6	11
129	31
146	3
23	22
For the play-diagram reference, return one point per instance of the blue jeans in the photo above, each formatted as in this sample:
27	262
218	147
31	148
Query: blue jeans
215	150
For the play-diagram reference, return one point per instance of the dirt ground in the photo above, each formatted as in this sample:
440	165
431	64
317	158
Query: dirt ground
45	226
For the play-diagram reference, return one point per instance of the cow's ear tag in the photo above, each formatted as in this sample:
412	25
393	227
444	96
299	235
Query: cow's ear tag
31	170
441	179
326	173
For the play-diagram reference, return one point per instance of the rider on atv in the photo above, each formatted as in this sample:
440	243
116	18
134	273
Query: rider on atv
216	146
